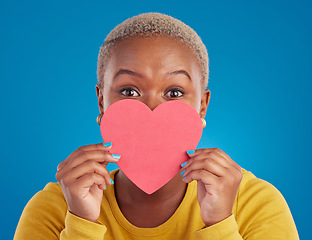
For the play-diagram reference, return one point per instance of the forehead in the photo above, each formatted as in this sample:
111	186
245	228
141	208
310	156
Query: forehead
157	52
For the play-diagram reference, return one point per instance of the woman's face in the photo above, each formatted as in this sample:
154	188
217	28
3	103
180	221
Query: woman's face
153	70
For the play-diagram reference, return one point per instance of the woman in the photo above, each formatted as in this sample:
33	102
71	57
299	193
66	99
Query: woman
155	58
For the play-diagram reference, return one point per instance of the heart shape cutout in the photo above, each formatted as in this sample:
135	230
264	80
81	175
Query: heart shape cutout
152	144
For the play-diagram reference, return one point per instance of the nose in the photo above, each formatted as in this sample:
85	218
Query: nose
153	100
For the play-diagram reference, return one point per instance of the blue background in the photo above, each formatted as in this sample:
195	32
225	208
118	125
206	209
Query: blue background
260	80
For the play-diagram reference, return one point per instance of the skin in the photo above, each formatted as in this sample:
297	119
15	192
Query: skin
151	70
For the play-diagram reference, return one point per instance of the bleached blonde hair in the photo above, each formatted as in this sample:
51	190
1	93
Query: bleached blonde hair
149	25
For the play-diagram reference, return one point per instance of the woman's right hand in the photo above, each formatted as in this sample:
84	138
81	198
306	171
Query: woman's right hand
83	177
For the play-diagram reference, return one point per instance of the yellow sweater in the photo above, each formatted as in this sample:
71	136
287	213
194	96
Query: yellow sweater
259	213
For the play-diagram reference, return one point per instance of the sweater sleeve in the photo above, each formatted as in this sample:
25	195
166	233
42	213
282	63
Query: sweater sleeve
224	230
260	212
81	229
46	216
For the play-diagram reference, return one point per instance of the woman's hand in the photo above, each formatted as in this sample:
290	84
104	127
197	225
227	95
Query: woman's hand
218	179
83	177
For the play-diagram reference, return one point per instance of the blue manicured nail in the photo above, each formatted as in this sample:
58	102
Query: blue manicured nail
182	173
105	187
183	164
190	151
183	178
116	156
112	181
108	144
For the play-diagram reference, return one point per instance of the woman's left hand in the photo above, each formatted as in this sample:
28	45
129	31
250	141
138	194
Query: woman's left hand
218	179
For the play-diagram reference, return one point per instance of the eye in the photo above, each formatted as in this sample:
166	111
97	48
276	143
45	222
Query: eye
174	93
129	92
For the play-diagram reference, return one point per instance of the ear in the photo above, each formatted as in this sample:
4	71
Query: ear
99	95
204	103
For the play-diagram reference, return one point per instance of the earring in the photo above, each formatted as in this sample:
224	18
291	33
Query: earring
98	119
203	122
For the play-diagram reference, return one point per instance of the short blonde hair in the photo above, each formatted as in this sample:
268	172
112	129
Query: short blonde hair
149	25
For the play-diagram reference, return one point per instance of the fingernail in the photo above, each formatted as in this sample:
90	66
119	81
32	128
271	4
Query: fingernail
182	173
190	151
108	144
112	181
116	156
183	178
183	164
105	187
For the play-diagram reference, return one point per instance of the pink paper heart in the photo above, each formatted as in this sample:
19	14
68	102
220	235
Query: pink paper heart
152	144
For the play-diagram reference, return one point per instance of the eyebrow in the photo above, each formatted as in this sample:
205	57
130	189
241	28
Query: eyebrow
181	72
129	72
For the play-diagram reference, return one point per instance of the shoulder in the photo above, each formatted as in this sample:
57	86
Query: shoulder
260	208
52	192
50	201
254	191
52	188
252	187
44	215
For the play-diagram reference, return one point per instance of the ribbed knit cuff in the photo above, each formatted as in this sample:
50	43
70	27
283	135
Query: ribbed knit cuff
224	230
78	228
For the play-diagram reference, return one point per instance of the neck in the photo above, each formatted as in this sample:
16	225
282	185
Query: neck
144	210
127	192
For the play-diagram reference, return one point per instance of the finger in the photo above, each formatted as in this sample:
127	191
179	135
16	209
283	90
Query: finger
90	167
96	155
88	180
97	146
92	147
204	176
217	151
86	166
209	165
62	164
209	156
100	156
205	150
